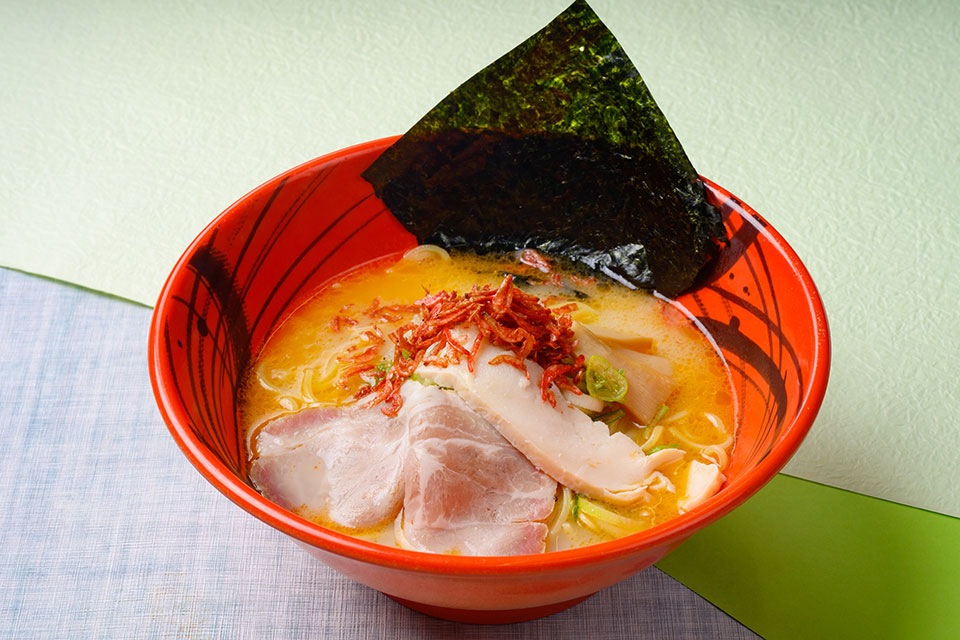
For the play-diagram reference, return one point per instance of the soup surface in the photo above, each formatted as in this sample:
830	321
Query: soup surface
334	350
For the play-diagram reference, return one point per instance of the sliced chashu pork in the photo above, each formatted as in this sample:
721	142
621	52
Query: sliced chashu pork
561	441
466	489
342	464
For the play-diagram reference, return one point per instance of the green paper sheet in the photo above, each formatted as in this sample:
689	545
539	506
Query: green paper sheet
800	560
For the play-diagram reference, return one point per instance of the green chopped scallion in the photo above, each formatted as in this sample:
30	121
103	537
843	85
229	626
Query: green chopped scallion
416	377
663	446
611	418
660	415
604	381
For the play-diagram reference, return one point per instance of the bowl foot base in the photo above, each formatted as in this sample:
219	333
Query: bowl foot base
499	616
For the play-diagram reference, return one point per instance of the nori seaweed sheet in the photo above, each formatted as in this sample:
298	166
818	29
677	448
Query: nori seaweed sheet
558	146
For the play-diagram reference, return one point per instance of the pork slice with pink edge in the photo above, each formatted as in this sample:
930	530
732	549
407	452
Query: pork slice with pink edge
467	490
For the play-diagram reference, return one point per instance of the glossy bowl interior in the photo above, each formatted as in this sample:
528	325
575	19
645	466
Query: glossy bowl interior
274	247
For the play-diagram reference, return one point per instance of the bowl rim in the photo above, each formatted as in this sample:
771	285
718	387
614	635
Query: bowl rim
673	531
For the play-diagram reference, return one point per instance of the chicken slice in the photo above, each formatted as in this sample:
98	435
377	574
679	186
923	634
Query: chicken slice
561	441
467	490
339	464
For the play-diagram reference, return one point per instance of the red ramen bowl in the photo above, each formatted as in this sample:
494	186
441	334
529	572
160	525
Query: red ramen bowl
273	248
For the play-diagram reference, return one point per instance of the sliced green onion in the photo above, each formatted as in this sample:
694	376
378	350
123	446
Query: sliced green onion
663	446
416	377
661	413
604	381
611	417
